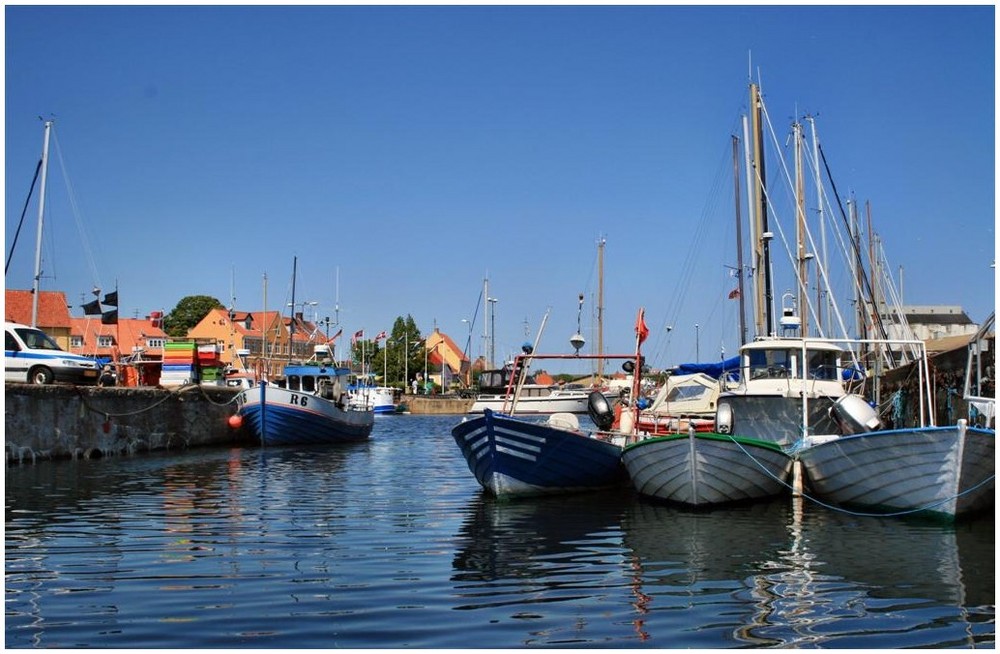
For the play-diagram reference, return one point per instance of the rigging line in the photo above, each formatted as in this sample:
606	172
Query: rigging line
472	326
88	250
857	254
24	211
820	265
695	251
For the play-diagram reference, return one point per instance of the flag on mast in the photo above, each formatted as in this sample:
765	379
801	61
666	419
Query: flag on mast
641	330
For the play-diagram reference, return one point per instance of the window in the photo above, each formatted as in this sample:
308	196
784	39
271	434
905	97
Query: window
76	341
105	341
822	364
155	343
770	363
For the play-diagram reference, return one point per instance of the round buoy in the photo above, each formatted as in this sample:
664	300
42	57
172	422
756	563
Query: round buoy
235	421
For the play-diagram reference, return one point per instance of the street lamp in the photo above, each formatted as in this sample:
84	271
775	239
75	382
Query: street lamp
697	355
426	355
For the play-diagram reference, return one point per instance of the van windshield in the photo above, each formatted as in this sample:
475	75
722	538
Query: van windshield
36	339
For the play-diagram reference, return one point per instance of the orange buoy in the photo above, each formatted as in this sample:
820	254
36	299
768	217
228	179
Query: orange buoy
235	421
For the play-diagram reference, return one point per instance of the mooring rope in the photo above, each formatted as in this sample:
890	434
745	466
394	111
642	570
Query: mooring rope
182	389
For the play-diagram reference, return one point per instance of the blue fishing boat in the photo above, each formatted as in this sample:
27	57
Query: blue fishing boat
517	456
310	405
513	456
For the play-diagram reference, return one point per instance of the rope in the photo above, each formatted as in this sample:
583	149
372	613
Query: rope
182	389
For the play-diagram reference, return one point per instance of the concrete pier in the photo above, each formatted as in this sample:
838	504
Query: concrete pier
65	421
437	404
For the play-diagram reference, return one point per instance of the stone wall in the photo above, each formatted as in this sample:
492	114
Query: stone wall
64	421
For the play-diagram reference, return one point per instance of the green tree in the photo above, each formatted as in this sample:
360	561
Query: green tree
188	313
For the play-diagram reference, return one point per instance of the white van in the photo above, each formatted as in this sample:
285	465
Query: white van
30	355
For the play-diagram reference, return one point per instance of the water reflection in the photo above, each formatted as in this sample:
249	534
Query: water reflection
391	543
780	574
525	539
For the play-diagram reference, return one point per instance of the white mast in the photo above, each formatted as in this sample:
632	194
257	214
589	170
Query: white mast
600	307
41	214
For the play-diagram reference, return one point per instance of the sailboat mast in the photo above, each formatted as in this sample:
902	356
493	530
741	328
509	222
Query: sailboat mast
41	214
800	231
739	241
821	294
763	302
291	323
600	307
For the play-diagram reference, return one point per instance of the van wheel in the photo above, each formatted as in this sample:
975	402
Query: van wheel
41	375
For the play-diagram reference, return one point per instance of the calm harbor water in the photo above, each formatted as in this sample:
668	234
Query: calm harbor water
391	544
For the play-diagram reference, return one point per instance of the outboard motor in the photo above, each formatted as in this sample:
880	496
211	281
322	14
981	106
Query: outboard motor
600	411
854	415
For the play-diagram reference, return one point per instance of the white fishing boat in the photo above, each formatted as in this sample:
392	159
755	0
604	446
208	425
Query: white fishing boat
747	454
365	394
945	471
535	399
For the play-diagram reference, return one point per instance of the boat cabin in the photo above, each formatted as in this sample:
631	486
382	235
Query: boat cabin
310	378
791	358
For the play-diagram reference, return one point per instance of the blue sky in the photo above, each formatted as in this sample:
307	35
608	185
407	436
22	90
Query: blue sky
413	151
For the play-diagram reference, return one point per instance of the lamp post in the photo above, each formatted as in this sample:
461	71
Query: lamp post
493	329
697	355
468	348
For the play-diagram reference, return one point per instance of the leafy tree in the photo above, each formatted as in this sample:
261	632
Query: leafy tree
389	354
188	313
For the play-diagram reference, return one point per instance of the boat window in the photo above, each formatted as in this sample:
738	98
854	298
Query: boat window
308	384
770	363
822	364
686	393
293	383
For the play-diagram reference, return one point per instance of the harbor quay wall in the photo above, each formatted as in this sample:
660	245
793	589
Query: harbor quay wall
437	404
65	421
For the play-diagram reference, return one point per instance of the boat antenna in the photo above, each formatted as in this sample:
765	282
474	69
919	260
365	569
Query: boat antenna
523	372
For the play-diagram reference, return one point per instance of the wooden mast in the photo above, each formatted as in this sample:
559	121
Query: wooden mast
739	241
764	313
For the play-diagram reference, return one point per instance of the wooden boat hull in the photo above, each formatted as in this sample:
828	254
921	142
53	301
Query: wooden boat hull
512	457
278	416
702	469
946	471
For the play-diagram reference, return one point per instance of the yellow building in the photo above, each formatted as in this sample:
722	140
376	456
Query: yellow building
259	342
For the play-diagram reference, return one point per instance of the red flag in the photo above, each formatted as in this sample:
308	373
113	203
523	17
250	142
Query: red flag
357	336
381	335
337	335
641	330
734	294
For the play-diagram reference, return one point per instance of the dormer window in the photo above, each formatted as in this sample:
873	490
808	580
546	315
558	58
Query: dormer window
105	341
